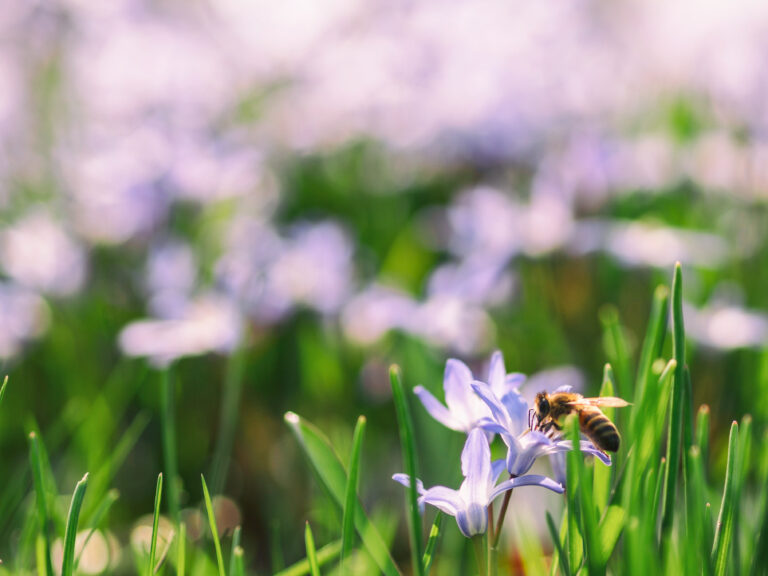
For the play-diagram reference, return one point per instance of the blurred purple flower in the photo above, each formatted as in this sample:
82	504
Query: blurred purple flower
469	504
463	409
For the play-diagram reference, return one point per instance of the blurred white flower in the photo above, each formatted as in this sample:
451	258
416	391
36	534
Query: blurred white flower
96	551
726	327
209	323
271	275
171	278
38	253
24	316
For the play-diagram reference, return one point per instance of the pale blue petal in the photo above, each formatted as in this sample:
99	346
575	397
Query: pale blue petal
514	447
436	409
491	426
498	411
565	388
456	385
405	480
589	448
515	380
517	409
529	480
446	499
535	444
557	459
476	466
497	374
473	520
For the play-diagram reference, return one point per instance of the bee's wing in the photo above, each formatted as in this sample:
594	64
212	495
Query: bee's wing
607	401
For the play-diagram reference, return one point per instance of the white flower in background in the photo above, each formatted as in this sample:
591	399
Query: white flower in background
24	316
370	314
171	278
209	323
725	326
38	253
270	275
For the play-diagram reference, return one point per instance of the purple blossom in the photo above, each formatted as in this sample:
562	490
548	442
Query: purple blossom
463	409
469	504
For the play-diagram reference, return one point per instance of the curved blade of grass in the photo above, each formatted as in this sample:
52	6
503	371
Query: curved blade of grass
602	474
68	562
743	454
760	551
326	554
98	516
584	500
35	460
676	409
2	388
350	499
653	345
236	536
561	555
238	564
610	529
408	445
724	529
168	424
214	530
314	566
155	522
434	536
702	432
181	550
164	553
615	345
330	471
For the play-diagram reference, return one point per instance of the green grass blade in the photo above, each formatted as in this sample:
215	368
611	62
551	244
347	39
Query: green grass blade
561	555
611	526
181	550
314	566
238	561
434	536
702	432
350	500
743	453
168	424
155	523
653	345
236	536
2	389
676	408
724	530
408	444
330	472
658	493
584	500
326	554
98	516
699	546
36	462
70	536
229	418
603	474
214	529
616	348
760	554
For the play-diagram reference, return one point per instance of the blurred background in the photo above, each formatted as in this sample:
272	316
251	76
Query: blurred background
283	198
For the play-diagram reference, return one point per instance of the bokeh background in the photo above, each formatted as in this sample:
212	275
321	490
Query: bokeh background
292	195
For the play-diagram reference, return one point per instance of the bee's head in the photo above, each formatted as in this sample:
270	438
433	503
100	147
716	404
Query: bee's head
542	405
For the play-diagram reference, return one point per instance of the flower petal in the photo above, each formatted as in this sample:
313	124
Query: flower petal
534	444
557	460
436	409
473	519
498	411
476	468
517	409
444	498
490	426
528	480
456	381
589	448
405	480
497	374
515	380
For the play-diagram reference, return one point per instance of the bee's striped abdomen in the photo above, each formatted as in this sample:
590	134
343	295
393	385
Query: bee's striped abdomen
599	429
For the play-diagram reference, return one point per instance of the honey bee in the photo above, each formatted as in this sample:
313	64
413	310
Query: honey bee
551	409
